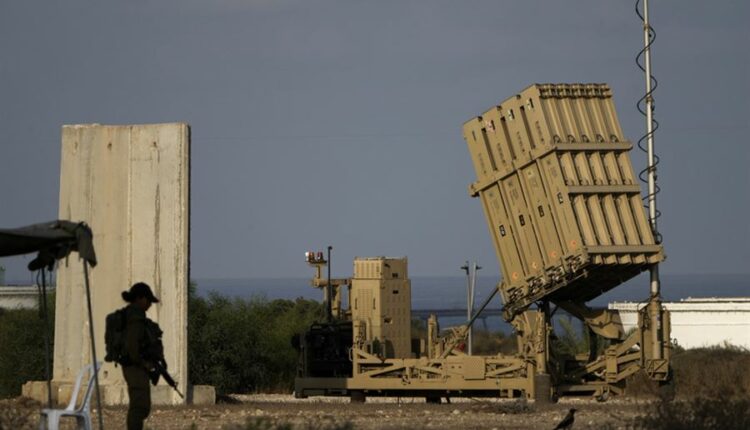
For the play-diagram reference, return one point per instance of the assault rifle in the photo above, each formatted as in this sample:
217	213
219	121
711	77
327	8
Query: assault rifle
160	369
155	352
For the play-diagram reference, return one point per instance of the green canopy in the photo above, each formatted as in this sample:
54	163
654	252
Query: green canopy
52	240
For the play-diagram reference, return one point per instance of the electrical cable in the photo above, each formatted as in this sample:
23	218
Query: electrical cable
38	284
641	106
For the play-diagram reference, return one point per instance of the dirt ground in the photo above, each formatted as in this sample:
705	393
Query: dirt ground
269	412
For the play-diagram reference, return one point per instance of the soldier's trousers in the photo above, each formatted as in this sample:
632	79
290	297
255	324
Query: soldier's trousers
139	395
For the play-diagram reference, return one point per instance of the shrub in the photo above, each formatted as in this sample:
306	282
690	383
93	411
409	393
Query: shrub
569	342
242	346
22	351
234	344
712	372
485	342
572	341
710	413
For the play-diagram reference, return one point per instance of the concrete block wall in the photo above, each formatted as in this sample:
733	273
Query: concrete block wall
699	322
131	184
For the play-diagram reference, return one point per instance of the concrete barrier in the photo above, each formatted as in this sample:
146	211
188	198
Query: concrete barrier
131	184
20	296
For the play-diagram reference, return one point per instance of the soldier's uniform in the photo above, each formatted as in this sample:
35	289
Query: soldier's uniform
135	373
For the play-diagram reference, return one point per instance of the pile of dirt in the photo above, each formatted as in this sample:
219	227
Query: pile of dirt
19	413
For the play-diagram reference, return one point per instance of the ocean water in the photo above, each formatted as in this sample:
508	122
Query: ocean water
450	292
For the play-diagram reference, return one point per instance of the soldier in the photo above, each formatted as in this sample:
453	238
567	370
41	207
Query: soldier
137	364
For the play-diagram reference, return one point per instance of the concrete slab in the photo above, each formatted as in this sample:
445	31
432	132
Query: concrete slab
117	394
131	184
201	395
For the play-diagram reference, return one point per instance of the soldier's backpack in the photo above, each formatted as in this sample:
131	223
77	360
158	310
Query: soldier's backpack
114	336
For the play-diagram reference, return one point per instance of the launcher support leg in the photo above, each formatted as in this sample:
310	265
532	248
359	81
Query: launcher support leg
542	338
654	310
533	331
654	324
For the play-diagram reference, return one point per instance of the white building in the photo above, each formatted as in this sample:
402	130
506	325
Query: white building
20	296
700	322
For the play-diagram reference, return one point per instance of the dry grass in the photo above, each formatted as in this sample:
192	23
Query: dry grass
711	388
701	373
712	372
714	413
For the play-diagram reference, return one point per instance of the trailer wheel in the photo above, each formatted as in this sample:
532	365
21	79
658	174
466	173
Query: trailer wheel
357	396
432	399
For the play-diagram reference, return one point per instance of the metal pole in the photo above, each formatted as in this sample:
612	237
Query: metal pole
467	268
329	289
654	269
100	412
474	268
45	317
484	305
650	140
472	280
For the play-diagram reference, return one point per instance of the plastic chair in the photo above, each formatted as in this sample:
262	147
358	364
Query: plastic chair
82	414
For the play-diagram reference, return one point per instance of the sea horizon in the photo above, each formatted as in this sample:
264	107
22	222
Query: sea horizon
449	292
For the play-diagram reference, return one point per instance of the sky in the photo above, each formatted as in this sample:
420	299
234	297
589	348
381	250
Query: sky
338	123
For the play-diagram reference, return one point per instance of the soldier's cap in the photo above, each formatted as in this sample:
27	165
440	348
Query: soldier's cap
140	289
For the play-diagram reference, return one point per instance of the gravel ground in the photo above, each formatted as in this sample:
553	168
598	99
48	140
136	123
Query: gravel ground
269	412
